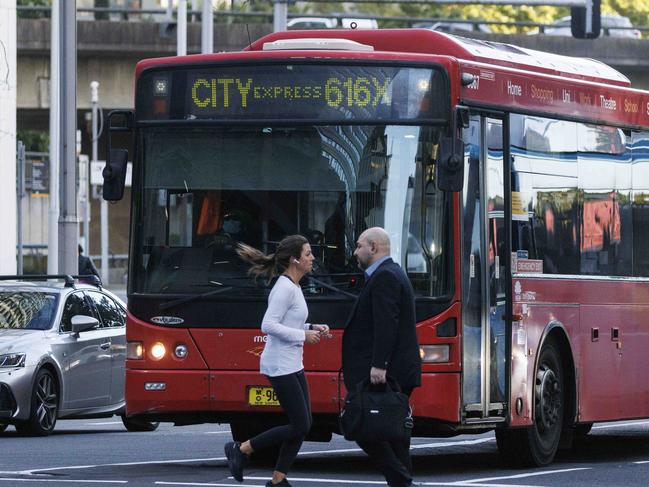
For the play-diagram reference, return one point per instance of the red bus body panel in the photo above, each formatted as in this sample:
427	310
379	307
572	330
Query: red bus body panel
222	364
611	373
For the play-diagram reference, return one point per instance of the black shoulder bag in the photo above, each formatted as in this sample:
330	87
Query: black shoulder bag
376	413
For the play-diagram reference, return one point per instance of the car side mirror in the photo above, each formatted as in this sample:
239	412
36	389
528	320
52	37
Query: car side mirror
449	169
83	323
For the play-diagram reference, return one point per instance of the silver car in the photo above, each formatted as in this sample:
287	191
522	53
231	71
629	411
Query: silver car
62	354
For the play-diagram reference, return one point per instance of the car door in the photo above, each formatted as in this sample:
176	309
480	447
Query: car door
113	317
87	359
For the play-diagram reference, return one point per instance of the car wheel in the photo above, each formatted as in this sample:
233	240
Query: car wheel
44	407
134	424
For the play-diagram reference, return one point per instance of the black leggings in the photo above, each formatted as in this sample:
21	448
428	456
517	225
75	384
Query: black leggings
293	395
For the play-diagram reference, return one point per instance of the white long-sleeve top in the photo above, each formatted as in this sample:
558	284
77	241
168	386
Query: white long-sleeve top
285	324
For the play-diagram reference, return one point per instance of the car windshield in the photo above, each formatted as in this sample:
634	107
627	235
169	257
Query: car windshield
28	310
207	189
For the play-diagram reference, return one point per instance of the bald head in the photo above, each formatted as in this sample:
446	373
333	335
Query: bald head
379	237
372	244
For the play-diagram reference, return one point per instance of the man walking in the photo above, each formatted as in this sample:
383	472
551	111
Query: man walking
380	339
86	266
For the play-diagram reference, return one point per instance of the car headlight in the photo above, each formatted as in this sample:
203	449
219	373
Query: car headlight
12	360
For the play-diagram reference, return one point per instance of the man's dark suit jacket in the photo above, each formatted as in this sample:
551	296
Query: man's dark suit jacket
381	330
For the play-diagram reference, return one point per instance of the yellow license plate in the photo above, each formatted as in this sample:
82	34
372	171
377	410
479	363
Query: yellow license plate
262	396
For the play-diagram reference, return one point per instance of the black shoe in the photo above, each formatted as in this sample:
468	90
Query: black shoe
236	459
283	483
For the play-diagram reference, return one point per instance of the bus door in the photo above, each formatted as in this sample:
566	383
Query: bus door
483	273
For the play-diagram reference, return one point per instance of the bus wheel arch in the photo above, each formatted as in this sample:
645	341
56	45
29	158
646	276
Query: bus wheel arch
553	404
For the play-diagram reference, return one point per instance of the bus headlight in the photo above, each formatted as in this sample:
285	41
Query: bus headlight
158	350
434	353
134	351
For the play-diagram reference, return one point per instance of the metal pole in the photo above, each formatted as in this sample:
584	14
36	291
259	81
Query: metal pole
68	221
207	28
20	194
53	211
181	39
280	12
84	170
589	17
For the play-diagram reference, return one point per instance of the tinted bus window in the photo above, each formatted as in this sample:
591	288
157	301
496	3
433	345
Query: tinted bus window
545	199
640	200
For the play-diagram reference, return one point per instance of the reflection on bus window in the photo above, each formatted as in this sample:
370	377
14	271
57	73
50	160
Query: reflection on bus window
578	197
205	190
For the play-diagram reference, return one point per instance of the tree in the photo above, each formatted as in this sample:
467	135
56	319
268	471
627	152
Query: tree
636	10
33	14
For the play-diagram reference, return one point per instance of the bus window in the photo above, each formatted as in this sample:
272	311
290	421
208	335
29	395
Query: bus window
207	189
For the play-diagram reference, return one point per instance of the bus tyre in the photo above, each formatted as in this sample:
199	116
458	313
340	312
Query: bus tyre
44	406
134	424
537	445
3	427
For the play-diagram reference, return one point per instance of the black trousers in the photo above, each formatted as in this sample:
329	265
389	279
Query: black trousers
293	395
391	458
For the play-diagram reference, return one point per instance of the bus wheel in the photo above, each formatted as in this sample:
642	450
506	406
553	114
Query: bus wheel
537	445
134	424
3	427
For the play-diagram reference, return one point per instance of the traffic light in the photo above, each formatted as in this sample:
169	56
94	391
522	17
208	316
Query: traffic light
580	16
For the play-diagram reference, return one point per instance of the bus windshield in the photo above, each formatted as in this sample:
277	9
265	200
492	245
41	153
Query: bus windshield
205	189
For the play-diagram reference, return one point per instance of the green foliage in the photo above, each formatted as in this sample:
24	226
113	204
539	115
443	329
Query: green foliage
33	14
636	10
34	140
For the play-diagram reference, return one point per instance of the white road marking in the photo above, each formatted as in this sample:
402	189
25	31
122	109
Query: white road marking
336	481
453	443
124	464
103	423
523	475
216	432
640	463
210	484
382	482
66	480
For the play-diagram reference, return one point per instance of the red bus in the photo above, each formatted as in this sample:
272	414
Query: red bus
514	185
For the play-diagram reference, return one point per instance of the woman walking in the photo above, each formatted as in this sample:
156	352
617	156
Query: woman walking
281	360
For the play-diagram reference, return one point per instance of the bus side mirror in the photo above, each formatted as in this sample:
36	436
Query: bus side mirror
114	174
449	170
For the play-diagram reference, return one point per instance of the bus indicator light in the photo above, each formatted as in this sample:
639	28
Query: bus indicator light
134	351
160	87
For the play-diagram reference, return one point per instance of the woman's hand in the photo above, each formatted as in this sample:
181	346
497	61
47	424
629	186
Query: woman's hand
323	329
312	336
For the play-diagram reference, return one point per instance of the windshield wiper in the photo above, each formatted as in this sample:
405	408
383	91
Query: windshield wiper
331	287
176	302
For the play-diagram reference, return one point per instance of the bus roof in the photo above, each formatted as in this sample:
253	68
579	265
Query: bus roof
425	41
494	75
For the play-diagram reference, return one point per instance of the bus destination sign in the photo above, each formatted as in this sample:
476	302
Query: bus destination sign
278	92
